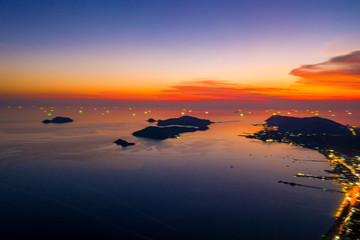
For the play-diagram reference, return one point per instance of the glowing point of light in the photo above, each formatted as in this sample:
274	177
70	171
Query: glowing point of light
149	111
333	115
107	111
206	112
182	113
49	114
349	113
80	112
134	114
316	113
324	189
45	111
241	114
102	113
145	112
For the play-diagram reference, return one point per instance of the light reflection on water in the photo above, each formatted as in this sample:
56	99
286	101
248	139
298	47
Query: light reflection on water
71	178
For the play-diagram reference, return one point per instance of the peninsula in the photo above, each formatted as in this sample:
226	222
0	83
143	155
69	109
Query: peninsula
341	145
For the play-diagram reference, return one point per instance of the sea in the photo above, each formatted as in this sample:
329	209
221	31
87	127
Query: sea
70	181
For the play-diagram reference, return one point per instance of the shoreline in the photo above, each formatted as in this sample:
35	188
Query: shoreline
345	160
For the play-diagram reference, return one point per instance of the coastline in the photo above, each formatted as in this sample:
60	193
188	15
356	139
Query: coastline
345	160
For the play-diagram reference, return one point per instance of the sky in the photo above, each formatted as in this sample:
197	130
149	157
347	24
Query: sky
232	51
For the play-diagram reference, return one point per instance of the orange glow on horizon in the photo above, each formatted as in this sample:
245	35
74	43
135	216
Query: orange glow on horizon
336	80
194	91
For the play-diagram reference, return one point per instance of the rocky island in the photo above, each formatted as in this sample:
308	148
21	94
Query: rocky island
185	121
173	127
58	120
123	143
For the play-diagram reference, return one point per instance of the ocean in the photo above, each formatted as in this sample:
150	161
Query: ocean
70	180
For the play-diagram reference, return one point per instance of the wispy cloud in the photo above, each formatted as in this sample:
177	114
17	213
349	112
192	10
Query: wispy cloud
340	71
223	91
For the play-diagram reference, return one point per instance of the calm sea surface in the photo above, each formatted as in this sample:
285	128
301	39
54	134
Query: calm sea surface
71	180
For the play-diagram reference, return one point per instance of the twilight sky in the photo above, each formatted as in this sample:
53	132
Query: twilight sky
180	50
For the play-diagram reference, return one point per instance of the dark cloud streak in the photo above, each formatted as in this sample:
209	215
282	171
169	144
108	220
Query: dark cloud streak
224	91
340	71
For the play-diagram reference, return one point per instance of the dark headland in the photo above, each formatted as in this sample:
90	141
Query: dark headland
311	132
341	145
58	120
173	127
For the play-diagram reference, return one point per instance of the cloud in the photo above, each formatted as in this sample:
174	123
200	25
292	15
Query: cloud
352	58
340	71
216	90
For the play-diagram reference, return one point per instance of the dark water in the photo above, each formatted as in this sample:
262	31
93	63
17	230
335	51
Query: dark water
71	181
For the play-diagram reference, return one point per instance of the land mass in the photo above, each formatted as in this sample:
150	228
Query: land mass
185	121
341	145
315	133
123	143
173	127
58	120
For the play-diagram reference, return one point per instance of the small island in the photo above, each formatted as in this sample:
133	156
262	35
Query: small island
151	120
123	143
58	120
173	127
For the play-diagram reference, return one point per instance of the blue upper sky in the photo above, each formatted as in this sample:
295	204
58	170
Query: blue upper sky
42	24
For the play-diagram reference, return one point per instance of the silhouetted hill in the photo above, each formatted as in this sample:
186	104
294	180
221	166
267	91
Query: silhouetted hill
58	120
311	132
162	133
307	125
172	127
185	121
